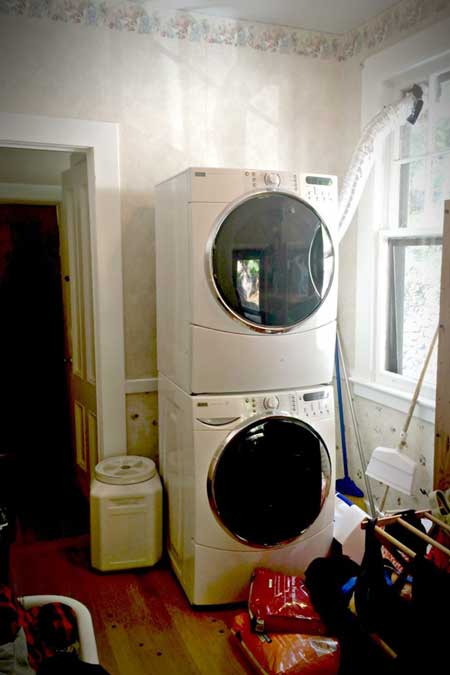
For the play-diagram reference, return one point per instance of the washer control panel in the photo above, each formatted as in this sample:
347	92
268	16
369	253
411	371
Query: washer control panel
316	404
271	402
228	411
306	404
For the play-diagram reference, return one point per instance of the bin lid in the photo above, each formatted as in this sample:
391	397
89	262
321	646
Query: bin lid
125	470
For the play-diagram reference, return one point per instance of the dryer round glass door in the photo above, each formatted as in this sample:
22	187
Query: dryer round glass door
271	261
269	480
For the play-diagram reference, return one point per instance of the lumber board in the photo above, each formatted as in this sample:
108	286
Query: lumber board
441	479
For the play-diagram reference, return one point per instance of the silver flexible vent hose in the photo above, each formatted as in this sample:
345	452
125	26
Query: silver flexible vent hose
407	109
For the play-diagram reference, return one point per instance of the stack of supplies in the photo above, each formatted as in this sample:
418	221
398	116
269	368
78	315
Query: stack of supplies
282	634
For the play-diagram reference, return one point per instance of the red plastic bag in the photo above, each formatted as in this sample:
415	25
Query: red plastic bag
286	653
280	603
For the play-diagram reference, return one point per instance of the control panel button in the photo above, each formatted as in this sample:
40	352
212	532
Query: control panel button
271	402
272	179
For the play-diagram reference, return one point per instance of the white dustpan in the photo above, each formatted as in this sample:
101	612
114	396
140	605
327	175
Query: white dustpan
392	468
390	465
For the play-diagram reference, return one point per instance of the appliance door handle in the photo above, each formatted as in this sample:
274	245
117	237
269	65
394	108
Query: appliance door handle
309	262
218	421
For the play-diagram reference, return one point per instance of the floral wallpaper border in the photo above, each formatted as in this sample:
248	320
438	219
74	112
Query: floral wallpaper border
133	16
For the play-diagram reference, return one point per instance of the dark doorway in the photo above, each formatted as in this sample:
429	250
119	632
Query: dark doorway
35	435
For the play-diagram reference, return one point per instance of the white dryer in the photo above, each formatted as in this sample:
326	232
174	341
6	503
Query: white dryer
246	279
249	481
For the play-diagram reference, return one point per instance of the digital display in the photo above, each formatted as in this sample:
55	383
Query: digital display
315	396
318	180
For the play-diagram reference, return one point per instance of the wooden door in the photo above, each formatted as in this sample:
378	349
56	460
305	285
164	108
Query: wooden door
33	399
79	313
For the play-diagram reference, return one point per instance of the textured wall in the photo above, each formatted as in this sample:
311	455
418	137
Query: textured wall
184	101
178	103
381	426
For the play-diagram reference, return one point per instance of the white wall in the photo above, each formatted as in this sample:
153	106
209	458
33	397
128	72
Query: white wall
178	103
181	103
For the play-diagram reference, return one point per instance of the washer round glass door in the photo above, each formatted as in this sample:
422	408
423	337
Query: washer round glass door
268	482
271	261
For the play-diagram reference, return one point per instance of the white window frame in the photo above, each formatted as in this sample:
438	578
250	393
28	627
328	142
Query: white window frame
406	62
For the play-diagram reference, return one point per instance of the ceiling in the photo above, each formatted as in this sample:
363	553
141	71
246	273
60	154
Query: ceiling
331	16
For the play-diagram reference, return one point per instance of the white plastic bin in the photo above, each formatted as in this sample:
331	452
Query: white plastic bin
88	646
126	514
347	527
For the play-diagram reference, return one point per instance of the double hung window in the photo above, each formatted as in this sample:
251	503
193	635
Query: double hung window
416	184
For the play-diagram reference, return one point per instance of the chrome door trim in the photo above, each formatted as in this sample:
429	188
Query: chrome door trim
209	268
222	447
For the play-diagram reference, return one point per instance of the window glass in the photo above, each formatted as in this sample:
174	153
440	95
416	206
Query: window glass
273	260
442	112
270	481
415	268
440	187
414	137
422	184
413	177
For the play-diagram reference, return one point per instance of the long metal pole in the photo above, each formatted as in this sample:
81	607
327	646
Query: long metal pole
356	427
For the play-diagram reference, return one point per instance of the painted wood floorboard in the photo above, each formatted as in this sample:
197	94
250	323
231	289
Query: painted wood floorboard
144	625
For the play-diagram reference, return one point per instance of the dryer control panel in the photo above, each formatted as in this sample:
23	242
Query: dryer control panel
275	180
321	192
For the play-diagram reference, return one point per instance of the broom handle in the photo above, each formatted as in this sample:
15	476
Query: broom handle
417	389
359	444
404	431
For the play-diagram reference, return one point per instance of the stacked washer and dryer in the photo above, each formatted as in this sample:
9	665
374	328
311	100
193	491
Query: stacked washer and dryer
246	320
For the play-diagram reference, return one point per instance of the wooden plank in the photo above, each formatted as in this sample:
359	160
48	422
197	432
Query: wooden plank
442	426
142	619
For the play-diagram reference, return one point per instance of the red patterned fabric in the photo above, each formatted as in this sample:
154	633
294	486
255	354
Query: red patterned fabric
9	615
49	629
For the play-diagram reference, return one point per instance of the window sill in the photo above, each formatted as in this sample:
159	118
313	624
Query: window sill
392	398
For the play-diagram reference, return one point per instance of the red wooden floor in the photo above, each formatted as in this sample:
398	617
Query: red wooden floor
142	619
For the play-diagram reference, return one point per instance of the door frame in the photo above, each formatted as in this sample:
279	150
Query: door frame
100	142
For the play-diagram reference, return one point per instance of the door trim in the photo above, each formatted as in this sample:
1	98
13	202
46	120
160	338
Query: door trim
100	142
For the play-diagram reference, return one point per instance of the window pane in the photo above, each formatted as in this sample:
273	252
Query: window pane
413	176
442	112
413	305
413	137
440	184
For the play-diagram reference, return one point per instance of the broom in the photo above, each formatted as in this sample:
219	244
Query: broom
389	465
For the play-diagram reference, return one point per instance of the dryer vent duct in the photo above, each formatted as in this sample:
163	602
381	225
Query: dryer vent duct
407	109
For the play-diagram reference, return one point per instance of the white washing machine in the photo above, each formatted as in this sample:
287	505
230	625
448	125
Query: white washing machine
246	279
249	481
